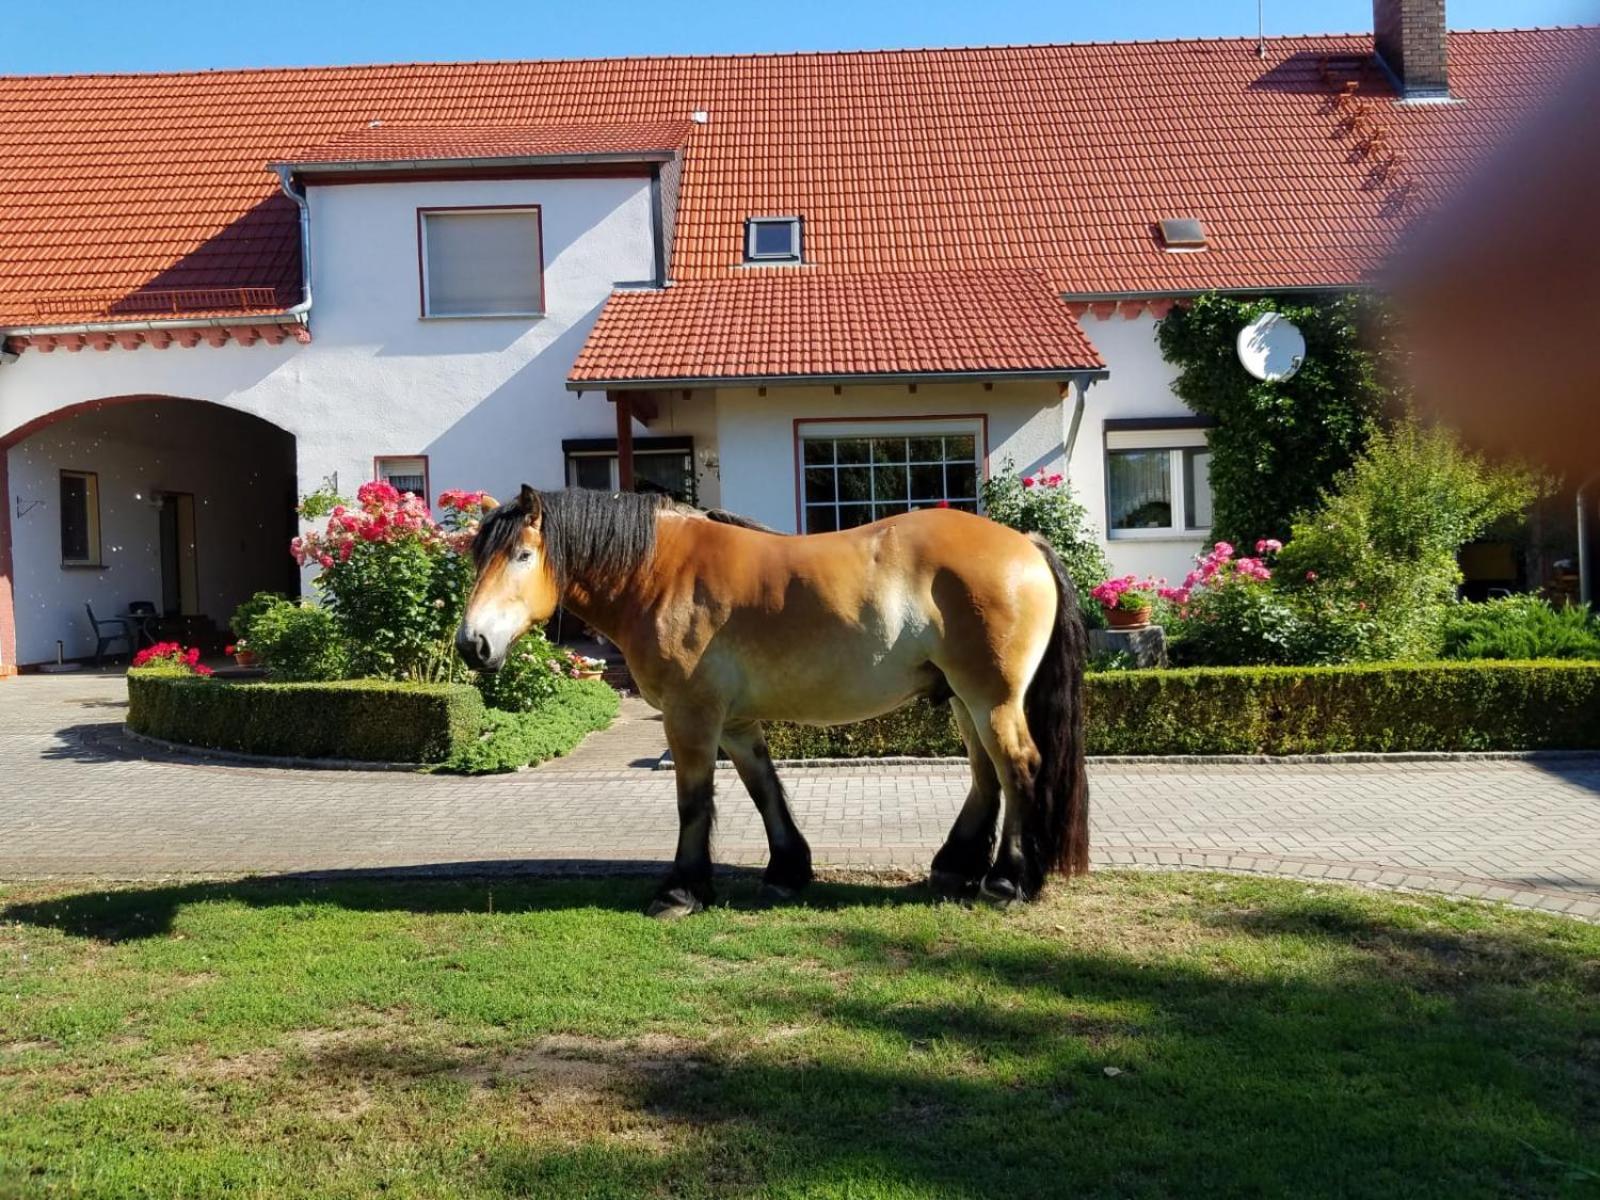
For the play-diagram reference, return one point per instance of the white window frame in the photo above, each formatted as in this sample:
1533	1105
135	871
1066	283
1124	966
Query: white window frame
382	468
423	214
1177	440
911	427
91	503
796	251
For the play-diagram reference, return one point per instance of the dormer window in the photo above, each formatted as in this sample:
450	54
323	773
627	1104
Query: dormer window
772	240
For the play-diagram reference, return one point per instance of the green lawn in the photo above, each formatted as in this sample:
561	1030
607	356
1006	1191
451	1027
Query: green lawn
1135	1035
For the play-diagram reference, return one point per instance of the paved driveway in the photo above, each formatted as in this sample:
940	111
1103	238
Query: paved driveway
80	800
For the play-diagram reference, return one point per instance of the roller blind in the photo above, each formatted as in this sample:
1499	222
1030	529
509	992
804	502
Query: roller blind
483	263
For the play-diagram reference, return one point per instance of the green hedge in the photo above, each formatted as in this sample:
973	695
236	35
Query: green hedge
552	728
1280	710
368	720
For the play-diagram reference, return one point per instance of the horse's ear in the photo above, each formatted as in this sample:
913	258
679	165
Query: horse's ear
530	504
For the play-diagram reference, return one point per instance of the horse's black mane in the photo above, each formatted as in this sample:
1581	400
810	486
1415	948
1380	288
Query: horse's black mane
595	536
723	517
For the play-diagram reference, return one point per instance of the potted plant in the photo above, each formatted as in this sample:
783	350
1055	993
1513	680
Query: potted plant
1127	601
581	667
242	654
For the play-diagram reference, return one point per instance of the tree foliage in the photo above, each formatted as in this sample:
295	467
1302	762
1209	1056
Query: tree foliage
1275	445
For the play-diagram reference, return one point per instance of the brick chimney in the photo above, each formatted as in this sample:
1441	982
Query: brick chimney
1410	39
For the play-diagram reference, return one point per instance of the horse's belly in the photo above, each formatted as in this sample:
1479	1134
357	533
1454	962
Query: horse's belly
834	688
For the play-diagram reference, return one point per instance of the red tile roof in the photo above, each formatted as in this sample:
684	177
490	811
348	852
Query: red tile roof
411	143
779	322
1054	158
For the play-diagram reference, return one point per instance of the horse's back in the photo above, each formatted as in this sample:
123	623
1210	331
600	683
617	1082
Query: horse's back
839	626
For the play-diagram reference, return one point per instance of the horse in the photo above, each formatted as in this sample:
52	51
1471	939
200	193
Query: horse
725	625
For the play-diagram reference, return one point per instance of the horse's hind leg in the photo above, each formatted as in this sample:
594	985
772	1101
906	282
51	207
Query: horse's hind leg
687	887
789	867
1016	874
963	860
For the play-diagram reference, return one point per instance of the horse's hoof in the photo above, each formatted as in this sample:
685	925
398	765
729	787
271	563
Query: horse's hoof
952	885
997	889
776	893
670	906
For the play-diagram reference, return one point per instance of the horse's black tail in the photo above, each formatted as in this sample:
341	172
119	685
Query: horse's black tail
1058	824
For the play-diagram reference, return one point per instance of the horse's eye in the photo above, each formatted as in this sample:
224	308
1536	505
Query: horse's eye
525	556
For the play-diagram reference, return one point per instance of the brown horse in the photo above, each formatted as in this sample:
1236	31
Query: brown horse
724	625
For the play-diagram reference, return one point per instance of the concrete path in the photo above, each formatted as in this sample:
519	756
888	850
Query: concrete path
78	799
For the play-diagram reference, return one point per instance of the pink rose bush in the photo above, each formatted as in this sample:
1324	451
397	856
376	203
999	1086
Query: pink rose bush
1217	568
396	577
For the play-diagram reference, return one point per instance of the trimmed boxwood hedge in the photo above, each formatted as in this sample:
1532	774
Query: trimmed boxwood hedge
367	720
1279	710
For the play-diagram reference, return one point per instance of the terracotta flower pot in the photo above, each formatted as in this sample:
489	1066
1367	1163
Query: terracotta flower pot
246	658
1128	618
591	674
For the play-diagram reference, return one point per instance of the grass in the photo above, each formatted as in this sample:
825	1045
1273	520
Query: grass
1133	1036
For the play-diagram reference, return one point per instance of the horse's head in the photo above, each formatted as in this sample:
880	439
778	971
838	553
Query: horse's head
515	589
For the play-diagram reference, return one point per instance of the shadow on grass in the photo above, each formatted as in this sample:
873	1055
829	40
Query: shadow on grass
1262	1040
1408	1060
502	886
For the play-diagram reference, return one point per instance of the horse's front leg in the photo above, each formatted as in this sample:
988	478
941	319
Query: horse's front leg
687	887
789	864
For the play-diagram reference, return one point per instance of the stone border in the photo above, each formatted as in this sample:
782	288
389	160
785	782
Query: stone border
1201	760
239	757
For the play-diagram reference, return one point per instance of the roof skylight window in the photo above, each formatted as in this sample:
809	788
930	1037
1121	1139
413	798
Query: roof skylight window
1183	233
772	240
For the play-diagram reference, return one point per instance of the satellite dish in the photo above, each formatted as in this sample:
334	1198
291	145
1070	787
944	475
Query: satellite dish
1271	347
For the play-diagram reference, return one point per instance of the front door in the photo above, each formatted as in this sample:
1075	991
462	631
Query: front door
180	587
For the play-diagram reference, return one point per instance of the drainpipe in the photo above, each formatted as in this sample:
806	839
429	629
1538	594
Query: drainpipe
1078	388
298	195
1585	563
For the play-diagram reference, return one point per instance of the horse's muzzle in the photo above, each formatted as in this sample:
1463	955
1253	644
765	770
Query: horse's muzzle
475	650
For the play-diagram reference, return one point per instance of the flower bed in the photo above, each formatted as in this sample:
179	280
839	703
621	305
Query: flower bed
1279	710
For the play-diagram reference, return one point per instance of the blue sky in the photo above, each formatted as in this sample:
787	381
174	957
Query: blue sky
98	35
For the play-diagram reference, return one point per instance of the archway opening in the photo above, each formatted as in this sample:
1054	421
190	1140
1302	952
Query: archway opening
168	509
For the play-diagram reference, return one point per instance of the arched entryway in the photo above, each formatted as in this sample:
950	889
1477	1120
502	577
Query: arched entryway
182	505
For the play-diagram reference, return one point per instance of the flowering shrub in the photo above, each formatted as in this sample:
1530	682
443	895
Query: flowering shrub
1043	503
396	579
169	658
1226	612
1129	593
1381	548
530	676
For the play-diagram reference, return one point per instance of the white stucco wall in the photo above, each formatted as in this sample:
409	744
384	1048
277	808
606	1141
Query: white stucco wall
1140	385
755	433
241	477
483	398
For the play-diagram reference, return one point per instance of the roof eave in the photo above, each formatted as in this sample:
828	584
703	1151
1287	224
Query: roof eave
285	317
352	166
1042	374
1190	293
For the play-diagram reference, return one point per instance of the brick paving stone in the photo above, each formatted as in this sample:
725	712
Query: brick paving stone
79	799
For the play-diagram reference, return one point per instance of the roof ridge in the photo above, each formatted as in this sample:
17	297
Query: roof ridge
747	55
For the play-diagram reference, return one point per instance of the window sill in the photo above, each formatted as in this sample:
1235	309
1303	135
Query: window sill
1158	535
522	316
83	566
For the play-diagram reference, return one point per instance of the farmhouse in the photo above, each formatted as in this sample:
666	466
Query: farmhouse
816	289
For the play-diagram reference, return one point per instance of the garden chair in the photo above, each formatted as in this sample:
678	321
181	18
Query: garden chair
108	631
